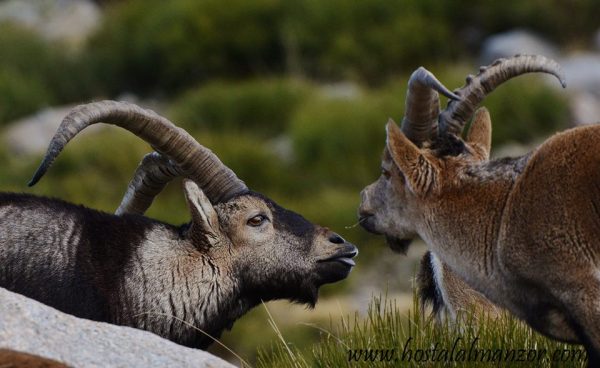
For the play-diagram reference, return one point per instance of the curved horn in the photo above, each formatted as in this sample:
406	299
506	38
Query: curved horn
457	114
423	105
196	162
154	172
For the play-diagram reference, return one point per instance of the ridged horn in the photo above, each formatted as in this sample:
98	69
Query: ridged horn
458	113
153	173
423	105
195	161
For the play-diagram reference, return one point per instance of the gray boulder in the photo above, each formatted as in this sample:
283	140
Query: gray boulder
29	326
68	21
31	134
583	72
514	42
583	86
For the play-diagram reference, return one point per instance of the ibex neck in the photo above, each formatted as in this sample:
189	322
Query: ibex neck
462	226
186	294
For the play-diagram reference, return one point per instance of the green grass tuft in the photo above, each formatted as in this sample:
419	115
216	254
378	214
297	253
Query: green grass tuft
395	338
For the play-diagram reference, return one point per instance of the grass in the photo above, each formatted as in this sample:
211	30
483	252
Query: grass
389	337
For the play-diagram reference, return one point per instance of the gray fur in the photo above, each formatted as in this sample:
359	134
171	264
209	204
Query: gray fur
134	271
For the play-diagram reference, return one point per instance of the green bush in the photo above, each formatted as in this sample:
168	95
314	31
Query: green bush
149	46
368	40
340	141
146	45
34	73
263	106
20	95
522	110
546	17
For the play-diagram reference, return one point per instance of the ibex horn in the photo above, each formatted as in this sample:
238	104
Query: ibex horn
458	113
423	105
194	161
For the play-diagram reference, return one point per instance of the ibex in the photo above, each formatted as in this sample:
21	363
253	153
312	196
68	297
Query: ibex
522	231
239	249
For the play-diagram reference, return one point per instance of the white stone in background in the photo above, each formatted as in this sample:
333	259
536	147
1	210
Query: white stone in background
514	42
29	326
69	21
582	72
343	91
585	108
31	135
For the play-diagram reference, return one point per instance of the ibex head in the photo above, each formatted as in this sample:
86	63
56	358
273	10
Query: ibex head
267	251
428	159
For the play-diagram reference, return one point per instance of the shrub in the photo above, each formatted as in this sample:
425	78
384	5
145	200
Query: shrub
145	45
34	73
525	109
263	106
340	141
546	17
368	40
20	95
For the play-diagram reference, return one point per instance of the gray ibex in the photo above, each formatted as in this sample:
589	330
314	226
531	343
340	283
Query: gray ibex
525	231
239	249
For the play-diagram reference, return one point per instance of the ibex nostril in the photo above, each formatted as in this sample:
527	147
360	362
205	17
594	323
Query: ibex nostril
336	239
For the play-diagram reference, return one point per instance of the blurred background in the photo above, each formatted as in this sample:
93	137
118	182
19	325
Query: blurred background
293	95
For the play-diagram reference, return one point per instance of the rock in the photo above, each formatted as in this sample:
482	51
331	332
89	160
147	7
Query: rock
584	108
32	134
68	21
514	42
29	326
342	91
583	72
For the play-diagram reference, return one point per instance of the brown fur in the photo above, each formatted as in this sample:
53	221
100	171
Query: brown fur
16	359
523	232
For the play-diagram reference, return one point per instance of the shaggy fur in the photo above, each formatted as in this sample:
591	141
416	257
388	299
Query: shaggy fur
134	271
523	232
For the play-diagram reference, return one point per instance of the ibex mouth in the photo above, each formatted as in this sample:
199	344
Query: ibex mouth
344	257
368	223
398	245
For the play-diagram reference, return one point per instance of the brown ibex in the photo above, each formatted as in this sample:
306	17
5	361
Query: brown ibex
240	247
524	232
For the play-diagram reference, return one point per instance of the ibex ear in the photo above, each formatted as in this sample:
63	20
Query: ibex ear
205	222
416	168
480	134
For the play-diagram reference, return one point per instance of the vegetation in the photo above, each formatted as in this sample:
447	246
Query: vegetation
262	106
35	74
390	337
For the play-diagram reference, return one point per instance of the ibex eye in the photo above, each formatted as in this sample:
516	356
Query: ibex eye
257	220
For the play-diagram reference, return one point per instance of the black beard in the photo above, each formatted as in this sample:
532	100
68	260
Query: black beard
398	245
